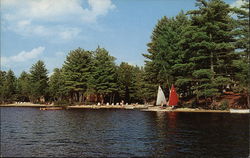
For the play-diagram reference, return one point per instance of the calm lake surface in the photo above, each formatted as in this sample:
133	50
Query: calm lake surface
30	132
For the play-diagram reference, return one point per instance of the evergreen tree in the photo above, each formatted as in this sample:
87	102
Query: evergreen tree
140	91
56	85
38	81
9	87
23	87
208	45
243	44
157	67
164	53
104	75
2	80
127	80
77	70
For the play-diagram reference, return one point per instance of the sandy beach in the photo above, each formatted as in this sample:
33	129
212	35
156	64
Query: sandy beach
157	108
127	107
25	104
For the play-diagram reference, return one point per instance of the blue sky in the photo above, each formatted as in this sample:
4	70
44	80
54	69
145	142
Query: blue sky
49	29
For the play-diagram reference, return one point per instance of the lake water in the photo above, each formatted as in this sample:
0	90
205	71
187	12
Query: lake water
30	132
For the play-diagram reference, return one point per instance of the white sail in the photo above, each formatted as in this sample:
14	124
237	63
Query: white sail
160	97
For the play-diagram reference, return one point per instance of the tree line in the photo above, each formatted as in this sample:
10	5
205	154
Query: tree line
86	77
204	52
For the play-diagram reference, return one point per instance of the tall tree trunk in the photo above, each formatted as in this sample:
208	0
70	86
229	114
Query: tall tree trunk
211	60
84	99
212	64
114	98
80	97
102	99
110	98
248	80
248	100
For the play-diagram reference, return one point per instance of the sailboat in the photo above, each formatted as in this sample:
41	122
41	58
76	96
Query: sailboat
173	97
161	99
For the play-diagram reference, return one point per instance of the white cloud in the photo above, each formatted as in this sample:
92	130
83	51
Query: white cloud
52	18
238	3
25	28
22	56
56	9
68	33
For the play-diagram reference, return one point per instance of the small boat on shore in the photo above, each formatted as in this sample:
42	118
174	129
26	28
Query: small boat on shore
172	100
51	108
241	111
161	99
173	97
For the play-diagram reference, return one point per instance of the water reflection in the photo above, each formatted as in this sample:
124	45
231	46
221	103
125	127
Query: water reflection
172	118
29	132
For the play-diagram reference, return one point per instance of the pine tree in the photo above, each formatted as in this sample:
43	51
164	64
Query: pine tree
2	80
157	67
77	71
164	55
104	75
140	94
243	39
9	87
209	48
125	79
23	87
38	81
131	83
56	85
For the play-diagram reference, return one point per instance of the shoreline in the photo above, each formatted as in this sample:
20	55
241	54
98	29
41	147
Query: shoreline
25	105
157	109
140	107
126	107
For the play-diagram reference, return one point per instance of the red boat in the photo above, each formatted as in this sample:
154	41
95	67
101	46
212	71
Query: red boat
173	97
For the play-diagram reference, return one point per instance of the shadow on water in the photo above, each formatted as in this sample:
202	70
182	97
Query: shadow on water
29	132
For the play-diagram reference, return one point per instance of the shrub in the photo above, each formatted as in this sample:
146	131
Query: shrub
224	105
194	104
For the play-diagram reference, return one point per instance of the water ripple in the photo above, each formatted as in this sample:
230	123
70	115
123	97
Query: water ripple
29	132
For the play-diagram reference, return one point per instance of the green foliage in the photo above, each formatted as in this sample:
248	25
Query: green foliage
208	46
104	74
164	62
2	81
196	53
242	43
38	81
8	86
224	105
163	49
23	87
56	85
203	52
126	80
202	74
77	71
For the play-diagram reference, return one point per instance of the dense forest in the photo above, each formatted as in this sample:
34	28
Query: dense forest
204	53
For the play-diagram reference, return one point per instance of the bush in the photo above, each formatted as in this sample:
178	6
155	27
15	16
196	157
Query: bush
194	104
186	105
224	105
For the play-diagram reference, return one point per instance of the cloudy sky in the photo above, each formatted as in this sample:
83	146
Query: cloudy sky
49	29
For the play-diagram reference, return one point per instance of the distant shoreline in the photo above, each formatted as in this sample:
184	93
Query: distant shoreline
25	104
128	107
